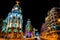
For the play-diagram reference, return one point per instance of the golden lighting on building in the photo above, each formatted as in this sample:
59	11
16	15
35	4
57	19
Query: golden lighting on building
49	27
58	19
46	18
17	2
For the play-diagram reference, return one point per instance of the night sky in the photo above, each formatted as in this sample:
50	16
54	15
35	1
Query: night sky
36	10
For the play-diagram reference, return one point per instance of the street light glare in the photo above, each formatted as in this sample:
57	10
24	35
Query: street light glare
58	19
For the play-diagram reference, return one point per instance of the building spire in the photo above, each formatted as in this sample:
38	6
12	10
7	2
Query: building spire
17	2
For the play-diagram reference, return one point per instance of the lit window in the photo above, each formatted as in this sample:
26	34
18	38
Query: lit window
15	30
10	15
54	26
18	15
3	28
15	25
16	8
10	24
20	30
9	30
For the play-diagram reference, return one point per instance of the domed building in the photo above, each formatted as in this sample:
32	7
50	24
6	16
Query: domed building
13	26
13	23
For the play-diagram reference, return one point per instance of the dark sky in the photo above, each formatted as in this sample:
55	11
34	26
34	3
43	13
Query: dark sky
36	10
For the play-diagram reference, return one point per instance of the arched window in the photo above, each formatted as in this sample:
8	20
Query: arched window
15	25
20	31
15	30
10	25
9	30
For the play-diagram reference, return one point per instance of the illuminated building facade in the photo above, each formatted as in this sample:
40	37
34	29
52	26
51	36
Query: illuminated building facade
13	26
13	23
28	29
52	25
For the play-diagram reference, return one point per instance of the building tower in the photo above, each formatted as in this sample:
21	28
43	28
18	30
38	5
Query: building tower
14	21
28	29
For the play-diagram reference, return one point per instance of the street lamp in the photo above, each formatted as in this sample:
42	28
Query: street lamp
58	19
54	27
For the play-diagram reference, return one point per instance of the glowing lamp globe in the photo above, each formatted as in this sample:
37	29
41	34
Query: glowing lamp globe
58	19
36	33
54	27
